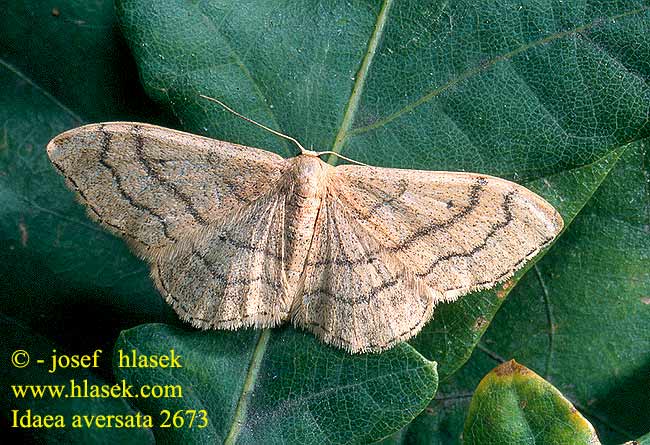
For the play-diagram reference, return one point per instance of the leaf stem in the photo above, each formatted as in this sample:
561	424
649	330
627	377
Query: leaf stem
249	384
549	319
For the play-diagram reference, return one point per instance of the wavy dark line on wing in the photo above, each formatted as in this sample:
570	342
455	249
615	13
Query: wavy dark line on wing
170	186
103	159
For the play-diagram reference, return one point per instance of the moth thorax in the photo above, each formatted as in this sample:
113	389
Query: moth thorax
309	176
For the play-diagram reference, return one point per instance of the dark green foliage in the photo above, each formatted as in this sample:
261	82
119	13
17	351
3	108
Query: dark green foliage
552	94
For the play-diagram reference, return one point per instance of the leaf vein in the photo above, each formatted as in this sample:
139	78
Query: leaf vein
486	65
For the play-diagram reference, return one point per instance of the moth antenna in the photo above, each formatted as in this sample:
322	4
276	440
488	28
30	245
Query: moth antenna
277	133
341	156
282	135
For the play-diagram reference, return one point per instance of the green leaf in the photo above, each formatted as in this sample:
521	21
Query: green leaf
513	405
442	422
278	386
77	55
15	337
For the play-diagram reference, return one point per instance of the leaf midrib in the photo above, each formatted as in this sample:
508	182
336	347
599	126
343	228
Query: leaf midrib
241	410
360	80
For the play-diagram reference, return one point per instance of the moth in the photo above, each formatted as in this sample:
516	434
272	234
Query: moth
237	236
